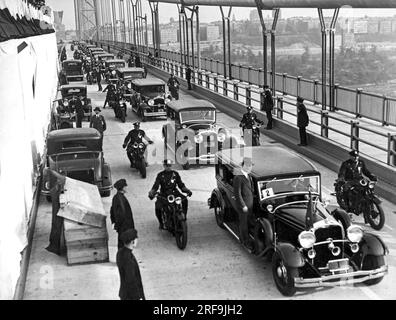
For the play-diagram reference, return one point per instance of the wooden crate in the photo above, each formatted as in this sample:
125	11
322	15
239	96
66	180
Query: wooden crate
85	243
81	203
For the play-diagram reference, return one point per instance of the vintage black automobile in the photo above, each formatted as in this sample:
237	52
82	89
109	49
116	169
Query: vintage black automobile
105	56
114	64
324	250
78	154
192	134
80	91
148	98
129	74
73	70
95	49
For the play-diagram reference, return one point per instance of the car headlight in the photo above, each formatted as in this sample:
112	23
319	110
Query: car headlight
178	200
371	185
221	137
151	102
354	233
141	145
171	198
167	100
184	126
306	239
47	185
198	138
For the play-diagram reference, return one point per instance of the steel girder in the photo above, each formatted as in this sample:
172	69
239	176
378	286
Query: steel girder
87	22
274	4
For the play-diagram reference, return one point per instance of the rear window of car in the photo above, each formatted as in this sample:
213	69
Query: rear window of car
70	91
197	115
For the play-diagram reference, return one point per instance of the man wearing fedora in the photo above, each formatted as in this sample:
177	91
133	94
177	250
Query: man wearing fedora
99	123
131	287
120	211
243	191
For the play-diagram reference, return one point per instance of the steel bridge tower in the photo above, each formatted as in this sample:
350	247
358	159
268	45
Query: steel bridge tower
86	16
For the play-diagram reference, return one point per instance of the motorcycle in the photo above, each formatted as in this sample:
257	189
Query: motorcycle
174	219
362	200
137	150
255	134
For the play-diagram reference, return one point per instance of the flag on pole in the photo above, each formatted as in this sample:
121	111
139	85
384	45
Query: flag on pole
309	214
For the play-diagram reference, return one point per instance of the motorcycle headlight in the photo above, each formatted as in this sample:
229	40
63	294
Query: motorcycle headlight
151	102
221	137
135	145
198	138
306	239
354	233
178	200
371	185
171	198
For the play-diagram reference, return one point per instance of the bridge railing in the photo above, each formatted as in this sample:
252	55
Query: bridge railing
322	122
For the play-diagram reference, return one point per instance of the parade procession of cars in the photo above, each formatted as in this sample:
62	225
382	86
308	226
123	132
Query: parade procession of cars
309	242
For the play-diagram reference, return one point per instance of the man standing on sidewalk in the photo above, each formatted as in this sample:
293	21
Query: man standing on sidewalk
302	121
188	77
268	105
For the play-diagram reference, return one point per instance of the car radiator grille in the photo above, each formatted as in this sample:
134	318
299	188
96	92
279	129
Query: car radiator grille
323	253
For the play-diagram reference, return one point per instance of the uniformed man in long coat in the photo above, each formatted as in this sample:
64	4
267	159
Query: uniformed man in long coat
131	287
120	211
168	181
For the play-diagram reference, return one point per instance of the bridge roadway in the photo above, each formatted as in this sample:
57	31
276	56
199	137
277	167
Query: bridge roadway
213	265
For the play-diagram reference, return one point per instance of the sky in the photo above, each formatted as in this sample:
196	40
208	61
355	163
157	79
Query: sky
208	14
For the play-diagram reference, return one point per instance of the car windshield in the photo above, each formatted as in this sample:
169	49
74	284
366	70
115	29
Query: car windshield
274	187
152	91
133	75
206	115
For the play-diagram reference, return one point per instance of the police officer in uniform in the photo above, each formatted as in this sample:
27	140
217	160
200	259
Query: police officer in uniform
135	135
249	119
168	181
111	93
351	171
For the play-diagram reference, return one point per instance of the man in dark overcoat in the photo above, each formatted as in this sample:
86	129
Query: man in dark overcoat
120	211
99	123
302	121
243	191
131	287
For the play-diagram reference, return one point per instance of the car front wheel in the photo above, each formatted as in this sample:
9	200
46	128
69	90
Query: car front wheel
370	263
219	213
283	275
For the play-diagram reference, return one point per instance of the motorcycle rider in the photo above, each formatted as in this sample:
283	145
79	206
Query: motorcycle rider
135	135
249	119
111	92
173	85
168	181
350	173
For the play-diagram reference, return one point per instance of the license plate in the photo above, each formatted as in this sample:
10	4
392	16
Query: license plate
212	144
338	265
